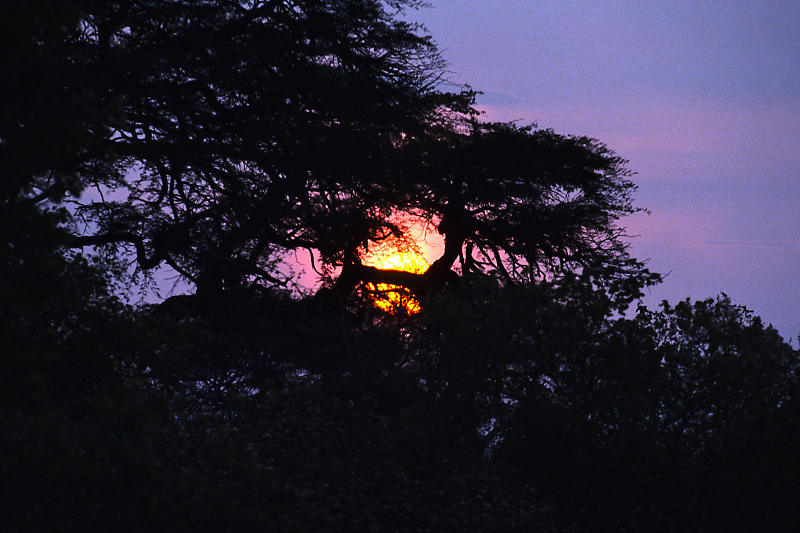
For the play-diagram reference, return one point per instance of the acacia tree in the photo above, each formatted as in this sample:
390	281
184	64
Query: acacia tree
239	131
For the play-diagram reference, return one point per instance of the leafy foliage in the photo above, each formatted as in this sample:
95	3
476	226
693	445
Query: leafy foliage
501	408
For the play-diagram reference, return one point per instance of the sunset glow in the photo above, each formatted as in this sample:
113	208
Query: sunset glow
394	298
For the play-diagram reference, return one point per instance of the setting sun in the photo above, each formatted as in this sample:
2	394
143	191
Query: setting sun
394	298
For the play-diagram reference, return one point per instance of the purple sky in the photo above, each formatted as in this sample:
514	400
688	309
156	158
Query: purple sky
703	99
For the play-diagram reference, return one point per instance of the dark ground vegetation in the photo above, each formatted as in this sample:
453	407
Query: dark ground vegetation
218	138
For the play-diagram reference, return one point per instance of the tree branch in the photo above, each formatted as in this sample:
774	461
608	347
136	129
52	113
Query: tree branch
145	262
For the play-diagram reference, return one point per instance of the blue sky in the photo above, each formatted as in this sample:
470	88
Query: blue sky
702	98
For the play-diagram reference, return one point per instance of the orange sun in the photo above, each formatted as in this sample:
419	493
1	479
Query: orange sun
395	299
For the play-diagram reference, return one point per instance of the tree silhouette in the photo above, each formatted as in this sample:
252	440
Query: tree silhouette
236	133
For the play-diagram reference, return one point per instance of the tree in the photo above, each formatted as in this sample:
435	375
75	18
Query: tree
676	419
249	130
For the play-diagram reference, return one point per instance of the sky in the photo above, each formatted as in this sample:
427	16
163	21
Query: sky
702	98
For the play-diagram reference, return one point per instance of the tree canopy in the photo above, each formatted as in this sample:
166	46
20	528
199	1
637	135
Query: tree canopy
234	133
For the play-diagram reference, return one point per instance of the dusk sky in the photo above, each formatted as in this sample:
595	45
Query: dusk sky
702	98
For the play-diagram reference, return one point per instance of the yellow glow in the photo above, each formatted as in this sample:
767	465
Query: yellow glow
394	298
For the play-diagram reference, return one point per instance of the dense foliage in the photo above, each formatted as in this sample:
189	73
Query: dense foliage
221	137
218	135
507	408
